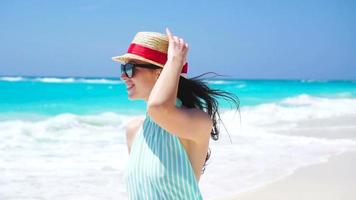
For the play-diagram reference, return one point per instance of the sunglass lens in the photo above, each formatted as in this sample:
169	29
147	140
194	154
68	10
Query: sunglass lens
127	69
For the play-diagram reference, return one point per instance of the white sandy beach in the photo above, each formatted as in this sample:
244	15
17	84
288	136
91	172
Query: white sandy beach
333	180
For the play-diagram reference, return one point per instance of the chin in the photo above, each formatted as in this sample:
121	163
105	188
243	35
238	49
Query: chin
133	97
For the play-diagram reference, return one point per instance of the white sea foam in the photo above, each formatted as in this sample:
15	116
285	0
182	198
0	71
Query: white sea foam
84	157
218	82
55	80
11	78
236	83
100	81
299	108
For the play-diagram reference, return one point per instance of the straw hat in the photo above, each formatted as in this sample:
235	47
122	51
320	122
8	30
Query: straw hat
150	47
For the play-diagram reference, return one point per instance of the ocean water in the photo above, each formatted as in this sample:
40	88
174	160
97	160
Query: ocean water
63	138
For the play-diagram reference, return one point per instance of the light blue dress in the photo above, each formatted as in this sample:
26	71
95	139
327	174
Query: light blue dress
158	166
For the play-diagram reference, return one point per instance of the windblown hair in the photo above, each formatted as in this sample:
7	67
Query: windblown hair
195	93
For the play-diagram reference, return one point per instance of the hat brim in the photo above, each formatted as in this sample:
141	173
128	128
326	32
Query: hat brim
128	56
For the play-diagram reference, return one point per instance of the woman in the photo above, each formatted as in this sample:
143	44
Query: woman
169	146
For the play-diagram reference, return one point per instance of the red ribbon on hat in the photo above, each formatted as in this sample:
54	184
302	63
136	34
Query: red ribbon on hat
151	54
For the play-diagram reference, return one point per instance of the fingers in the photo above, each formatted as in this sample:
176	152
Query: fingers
175	39
169	34
176	42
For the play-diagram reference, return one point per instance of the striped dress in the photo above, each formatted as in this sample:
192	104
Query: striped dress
158	166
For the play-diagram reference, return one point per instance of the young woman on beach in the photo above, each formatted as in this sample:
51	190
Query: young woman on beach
168	147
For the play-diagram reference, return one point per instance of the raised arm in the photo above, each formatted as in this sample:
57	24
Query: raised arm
192	124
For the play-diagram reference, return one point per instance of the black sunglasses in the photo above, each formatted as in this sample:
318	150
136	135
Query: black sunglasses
129	68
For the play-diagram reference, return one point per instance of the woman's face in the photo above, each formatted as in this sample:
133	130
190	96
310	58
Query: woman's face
141	84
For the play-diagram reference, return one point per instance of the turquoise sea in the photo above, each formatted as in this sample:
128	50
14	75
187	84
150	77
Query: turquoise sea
64	137
54	95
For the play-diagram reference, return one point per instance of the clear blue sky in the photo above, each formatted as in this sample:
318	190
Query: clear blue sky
244	39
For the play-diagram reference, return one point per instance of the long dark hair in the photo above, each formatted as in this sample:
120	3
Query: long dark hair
195	93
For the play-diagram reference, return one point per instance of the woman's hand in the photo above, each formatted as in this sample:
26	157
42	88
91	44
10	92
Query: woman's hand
177	49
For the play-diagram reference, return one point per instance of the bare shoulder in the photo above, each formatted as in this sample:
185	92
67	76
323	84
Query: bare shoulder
132	128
